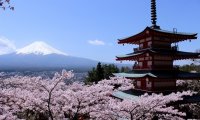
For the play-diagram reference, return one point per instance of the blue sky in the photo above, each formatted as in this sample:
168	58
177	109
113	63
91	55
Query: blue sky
77	26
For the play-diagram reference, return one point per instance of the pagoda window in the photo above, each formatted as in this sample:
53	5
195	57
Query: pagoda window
141	45
148	84
140	64
147	58
148	39
149	44
141	41
141	59
145	45
138	83
149	63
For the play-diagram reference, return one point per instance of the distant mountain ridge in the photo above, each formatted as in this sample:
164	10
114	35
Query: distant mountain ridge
40	56
44	62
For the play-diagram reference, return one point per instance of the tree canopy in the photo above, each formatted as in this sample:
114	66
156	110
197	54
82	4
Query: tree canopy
53	99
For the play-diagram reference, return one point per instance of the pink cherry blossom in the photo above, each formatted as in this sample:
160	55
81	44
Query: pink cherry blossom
58	100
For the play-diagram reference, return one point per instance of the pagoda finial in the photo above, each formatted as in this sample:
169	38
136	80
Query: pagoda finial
153	14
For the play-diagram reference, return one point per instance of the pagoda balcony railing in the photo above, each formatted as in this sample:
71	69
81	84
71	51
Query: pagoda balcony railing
173	48
161	67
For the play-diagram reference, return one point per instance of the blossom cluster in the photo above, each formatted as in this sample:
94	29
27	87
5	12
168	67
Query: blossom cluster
6	4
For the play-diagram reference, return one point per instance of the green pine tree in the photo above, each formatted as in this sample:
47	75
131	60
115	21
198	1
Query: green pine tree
101	72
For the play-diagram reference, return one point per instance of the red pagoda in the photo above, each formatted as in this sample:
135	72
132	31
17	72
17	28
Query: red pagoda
153	70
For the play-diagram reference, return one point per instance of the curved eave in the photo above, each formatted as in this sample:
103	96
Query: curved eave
175	37
179	75
182	56
175	56
185	57
192	35
131	75
122	95
179	55
131	56
126	58
134	39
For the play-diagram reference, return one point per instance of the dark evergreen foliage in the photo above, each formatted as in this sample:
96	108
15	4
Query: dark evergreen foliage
125	69
101	72
109	70
191	67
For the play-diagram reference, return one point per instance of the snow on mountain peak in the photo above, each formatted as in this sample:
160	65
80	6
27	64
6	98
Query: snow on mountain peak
39	48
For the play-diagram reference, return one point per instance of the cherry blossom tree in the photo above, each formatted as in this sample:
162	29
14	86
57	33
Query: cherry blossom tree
194	108
4	4
54	99
35	94
145	107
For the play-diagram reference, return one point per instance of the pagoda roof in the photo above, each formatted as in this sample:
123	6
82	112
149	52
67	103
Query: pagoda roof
134	95
123	95
159	74
148	31
134	75
173	53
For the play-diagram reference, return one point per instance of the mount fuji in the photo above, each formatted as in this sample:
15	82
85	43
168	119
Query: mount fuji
41	56
39	48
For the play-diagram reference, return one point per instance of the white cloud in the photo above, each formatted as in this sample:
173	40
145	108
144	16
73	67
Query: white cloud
96	42
6	46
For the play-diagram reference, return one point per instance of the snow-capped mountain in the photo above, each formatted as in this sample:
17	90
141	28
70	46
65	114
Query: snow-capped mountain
39	48
40	56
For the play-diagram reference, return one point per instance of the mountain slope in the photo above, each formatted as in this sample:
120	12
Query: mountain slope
44	62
